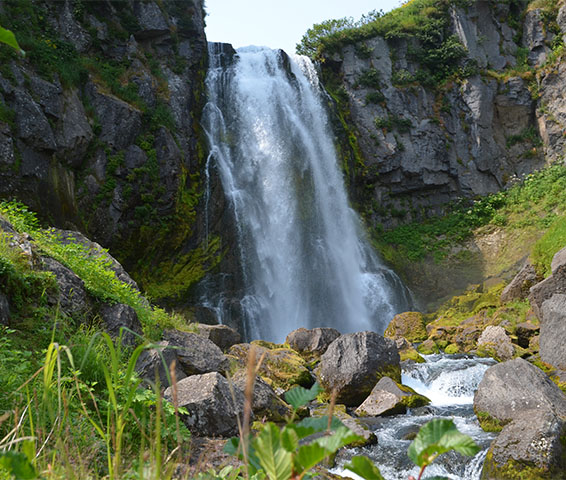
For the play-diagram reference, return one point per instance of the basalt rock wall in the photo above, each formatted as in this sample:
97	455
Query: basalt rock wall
99	131
423	145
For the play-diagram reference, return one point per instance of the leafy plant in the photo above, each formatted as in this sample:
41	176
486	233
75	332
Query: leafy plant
294	450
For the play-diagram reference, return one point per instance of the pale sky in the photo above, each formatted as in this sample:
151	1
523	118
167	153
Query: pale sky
278	23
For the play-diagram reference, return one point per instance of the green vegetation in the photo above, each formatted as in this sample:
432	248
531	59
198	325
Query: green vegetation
427	21
94	269
537	202
402	125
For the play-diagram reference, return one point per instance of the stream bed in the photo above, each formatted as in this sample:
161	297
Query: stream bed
449	381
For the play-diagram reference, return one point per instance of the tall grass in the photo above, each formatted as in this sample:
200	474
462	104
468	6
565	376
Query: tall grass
65	427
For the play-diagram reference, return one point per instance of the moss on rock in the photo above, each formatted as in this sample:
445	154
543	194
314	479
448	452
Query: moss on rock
409	325
280	367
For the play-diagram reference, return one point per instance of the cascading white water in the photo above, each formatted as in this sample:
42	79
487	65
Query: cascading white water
449	382
304	257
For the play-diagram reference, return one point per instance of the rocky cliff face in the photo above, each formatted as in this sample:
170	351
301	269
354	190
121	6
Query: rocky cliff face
425	143
99	129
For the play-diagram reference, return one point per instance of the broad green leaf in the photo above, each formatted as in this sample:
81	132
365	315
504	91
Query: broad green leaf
7	37
311	425
275	460
232	445
341	437
310	455
299	396
437	437
18	465
364	467
289	439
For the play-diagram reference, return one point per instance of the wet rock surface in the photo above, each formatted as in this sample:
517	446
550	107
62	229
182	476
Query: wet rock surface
353	363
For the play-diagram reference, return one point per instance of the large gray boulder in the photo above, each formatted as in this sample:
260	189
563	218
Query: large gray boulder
519	287
208	399
552	341
313	342
529	447
221	335
121	320
555	283
353	363
389	398
72	298
196	354
495	341
512	388
154	363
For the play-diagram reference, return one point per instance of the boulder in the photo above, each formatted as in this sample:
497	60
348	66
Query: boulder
409	325
495	342
511	388
519	287
120	319
525	331
389	398
72	297
555	283
196	354
221	335
529	447
558	261
154	363
67	237
280	367
313	342
353	363
265	404
213	411
552	339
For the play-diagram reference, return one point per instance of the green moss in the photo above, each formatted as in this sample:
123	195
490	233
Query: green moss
411	354
428	347
409	325
452	349
516	470
488	423
171	279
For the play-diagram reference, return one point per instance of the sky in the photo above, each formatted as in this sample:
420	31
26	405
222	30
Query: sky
278	23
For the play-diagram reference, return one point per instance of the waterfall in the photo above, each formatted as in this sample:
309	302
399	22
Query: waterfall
304	255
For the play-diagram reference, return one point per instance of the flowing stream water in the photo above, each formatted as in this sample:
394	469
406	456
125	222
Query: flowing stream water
305	257
449	382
